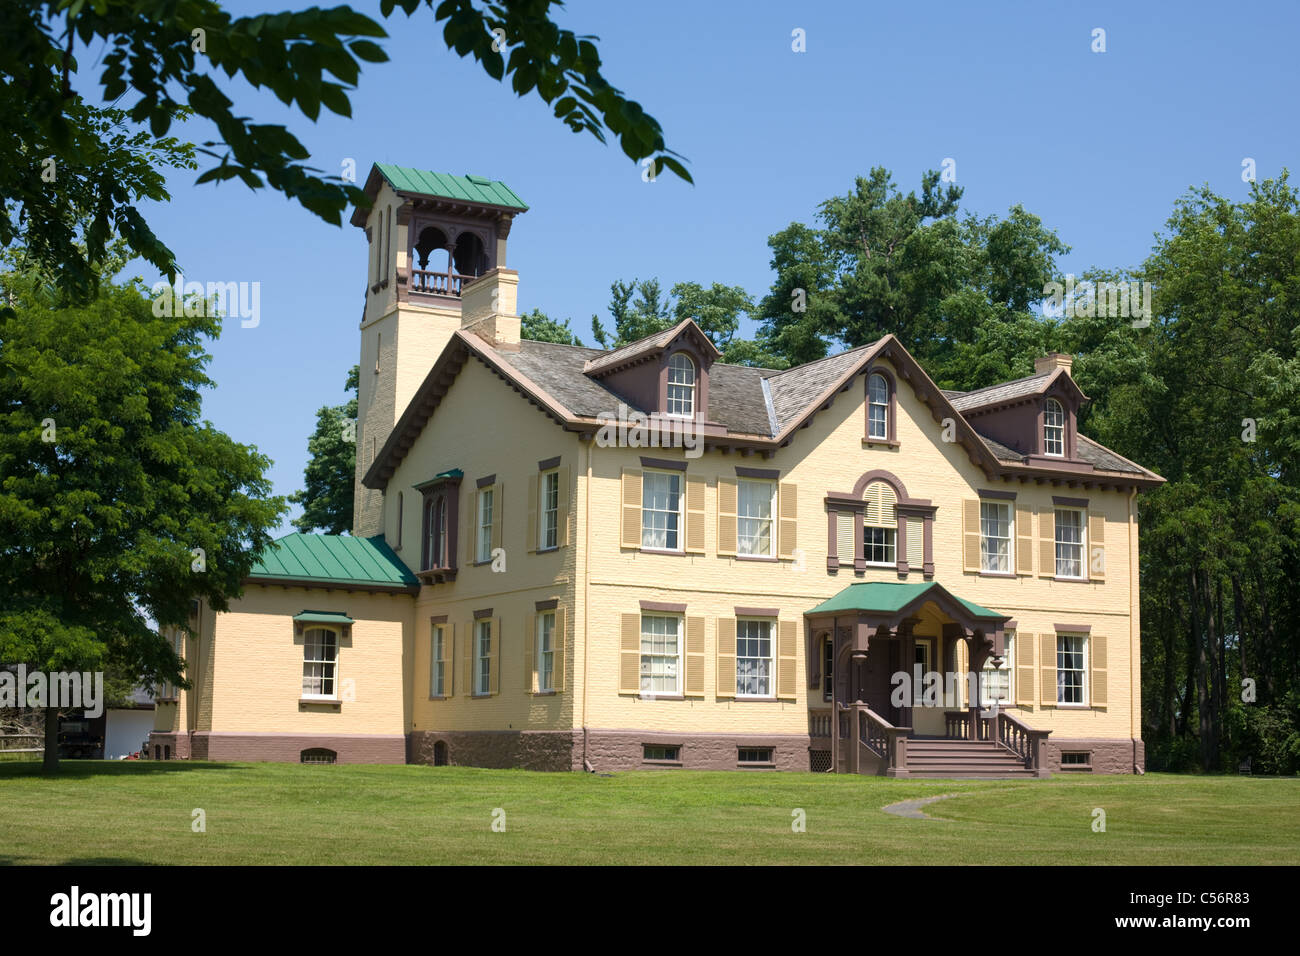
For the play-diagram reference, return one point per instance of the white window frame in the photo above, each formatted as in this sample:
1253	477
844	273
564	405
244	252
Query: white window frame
873	404
548	510
770	659
646	529
482	662
1084	688
1082	544
1007	670
322	662
546	651
437	665
985	552
1053	428
891	543
673	660
744	541
486	514
681	393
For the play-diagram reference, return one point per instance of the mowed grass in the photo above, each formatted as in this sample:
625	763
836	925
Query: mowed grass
141	813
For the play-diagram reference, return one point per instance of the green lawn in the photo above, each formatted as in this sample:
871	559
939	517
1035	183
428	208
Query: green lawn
140	812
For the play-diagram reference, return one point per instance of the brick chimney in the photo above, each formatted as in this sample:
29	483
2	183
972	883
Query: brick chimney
1053	360
489	308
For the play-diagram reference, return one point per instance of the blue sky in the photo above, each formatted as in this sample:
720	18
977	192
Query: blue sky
1099	145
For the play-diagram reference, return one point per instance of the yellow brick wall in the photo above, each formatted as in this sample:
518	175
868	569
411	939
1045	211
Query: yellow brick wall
830	456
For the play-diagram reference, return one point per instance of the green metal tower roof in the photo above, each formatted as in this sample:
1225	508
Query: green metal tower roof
477	189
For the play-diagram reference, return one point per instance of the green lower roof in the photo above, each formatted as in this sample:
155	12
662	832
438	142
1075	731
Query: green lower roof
323	617
338	559
889	597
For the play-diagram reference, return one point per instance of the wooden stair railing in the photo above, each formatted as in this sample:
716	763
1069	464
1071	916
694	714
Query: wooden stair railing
1012	734
865	728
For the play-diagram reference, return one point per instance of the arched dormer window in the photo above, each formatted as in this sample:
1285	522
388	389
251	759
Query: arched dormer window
878	407
681	386
1053	428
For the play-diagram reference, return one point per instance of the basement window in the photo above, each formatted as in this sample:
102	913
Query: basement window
755	756
1076	760
318	755
659	753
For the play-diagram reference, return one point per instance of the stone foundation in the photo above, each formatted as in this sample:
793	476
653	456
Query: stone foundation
283	748
169	746
625	750
1107	755
500	749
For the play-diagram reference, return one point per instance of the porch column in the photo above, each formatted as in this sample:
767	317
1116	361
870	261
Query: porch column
907	650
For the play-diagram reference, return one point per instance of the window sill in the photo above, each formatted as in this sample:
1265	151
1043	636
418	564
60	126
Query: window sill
1071	706
332	702
1064	580
747	765
1068	767
435	575
551	549
662	763
439	697
644	696
883	442
751	699
545	693
678	553
997	574
769	559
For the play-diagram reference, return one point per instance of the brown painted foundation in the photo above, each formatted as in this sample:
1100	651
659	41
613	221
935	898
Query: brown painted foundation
625	750
498	749
1105	755
283	748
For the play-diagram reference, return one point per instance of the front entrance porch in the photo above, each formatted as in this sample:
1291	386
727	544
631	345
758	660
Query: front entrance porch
874	710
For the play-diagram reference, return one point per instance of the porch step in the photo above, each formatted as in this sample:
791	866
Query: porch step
938	757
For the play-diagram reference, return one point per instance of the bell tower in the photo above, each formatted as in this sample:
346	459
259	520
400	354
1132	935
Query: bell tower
436	263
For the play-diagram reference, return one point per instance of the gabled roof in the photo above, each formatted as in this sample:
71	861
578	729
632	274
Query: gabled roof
333	560
760	409
651	345
1012	391
894	597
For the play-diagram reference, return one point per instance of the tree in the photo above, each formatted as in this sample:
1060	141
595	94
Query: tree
308	59
540	327
958	293
119	504
330	474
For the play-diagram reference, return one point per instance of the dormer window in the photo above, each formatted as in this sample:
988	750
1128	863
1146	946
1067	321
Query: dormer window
435	533
1053	429
878	407
681	386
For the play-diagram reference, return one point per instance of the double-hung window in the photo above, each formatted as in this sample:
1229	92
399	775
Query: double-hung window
319	663
548	511
878	407
437	661
681	386
435	532
546	651
483	656
1053	428
1071	672
485	510
995	683
756	502
754	664
661	510
1070	543
995	536
661	647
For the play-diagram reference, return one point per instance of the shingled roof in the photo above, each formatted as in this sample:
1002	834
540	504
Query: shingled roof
760	409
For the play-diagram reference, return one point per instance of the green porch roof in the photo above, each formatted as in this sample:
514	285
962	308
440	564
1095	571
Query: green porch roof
323	617
478	189
334	559
889	597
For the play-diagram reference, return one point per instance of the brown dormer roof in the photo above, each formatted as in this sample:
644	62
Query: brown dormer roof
651	346
1013	391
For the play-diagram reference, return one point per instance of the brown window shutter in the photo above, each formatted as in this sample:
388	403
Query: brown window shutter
494	677
498	515
1096	546
532	513
1097	693
530	652
1047	669
629	657
1047	558
1025	669
788	530
695	657
695	514
562	512
726	657
727	507
1024	541
469	659
970	534
469	533
787	660
557	642
631	537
